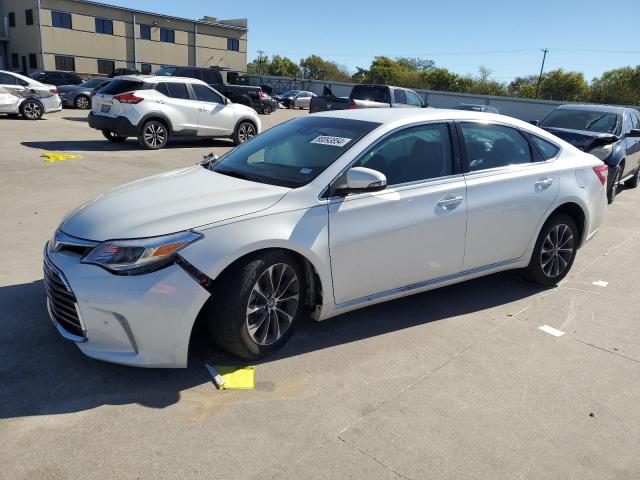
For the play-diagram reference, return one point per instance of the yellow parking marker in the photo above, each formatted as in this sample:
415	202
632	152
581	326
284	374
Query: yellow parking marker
233	378
53	157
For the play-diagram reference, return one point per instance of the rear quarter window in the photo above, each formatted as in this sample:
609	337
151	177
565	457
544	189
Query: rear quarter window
117	87
547	149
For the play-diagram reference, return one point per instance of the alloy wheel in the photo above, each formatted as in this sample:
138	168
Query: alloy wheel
32	110
557	250
82	103
246	132
272	304
155	135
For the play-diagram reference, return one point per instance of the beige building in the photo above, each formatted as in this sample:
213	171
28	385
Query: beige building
94	38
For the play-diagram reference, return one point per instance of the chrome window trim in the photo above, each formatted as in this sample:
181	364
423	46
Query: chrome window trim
418	183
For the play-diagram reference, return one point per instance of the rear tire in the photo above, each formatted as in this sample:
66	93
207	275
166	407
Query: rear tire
257	305
244	132
32	110
82	102
612	191
267	109
634	181
154	135
554	252
113	137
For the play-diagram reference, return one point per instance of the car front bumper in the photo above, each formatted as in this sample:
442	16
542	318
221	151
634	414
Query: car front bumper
140	320
119	125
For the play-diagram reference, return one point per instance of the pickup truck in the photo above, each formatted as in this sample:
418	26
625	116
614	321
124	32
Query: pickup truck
246	95
367	96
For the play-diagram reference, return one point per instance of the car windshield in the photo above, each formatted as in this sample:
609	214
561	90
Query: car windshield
165	71
587	120
294	153
94	82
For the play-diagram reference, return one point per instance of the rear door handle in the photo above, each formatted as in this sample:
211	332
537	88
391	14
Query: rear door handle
544	183
450	202
203	109
161	101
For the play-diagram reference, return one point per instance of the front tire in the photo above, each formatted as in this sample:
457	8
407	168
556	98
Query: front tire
634	181
32	110
612	191
554	252
113	137
257	305
244	132
154	135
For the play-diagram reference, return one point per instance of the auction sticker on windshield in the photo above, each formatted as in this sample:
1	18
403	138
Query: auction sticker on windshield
333	141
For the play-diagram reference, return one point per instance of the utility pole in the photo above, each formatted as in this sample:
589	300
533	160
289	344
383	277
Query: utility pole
260	52
544	56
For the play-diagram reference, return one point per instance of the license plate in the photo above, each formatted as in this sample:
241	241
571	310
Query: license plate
105	108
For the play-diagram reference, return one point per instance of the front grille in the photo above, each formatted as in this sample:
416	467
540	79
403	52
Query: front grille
61	301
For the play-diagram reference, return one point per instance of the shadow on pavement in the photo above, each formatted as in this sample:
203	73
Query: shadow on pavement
130	144
43	374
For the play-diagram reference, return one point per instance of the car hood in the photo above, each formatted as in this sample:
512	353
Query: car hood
582	139
168	203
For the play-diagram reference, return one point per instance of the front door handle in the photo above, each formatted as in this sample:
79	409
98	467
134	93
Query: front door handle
450	202
544	183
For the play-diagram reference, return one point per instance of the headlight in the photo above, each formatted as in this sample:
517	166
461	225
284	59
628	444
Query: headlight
602	152
144	255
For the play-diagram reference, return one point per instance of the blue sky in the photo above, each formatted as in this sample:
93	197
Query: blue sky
504	35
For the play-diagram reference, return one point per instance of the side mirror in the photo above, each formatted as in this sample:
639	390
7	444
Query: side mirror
360	180
535	122
634	133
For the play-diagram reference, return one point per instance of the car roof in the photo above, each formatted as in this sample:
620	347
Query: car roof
596	108
159	79
391	115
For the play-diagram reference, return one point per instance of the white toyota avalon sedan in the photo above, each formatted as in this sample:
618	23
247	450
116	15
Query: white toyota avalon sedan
318	216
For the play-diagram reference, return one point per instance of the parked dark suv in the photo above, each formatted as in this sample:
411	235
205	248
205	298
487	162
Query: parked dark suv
610	133
56	77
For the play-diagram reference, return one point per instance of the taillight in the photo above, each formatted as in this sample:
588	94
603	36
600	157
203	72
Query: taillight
54	91
602	171
261	95
128	98
352	105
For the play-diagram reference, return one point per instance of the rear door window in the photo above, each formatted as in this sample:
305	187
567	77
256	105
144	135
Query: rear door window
413	99
211	77
178	90
493	146
400	96
162	88
6	79
116	87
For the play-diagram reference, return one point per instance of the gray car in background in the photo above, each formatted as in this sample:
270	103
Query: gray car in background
79	96
476	107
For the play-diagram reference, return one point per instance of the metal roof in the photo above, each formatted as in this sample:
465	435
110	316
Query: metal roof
133	10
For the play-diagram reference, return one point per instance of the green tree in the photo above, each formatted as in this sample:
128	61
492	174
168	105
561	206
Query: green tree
284	67
317	68
523	86
564	86
620	86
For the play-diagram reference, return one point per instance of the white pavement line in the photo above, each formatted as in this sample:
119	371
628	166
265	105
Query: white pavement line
600	283
583	291
551	331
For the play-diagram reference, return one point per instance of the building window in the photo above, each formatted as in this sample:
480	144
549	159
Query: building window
28	14
61	19
15	60
106	67
66	63
12	19
145	32
145	68
104	26
33	61
233	44
167	35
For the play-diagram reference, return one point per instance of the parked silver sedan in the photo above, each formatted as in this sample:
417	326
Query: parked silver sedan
301	100
320	215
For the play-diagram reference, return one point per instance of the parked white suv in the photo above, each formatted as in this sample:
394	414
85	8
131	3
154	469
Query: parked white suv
20	95
153	109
